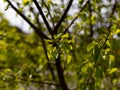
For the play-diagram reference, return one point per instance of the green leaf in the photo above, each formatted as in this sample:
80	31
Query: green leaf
58	36
65	36
96	52
65	47
94	49
2	44
115	44
25	2
7	7
81	1
99	73
113	28
111	71
91	46
82	86
4	0
49	3
98	1
54	53
69	57
8	70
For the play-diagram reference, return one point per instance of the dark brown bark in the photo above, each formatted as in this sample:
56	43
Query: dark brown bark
60	73
62	17
66	29
43	17
90	22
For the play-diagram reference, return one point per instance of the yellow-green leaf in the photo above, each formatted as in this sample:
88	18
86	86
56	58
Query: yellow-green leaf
25	2
112	70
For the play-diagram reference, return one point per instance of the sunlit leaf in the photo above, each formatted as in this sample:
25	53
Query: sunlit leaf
69	57
65	36
55	53
25	2
91	46
113	70
8	71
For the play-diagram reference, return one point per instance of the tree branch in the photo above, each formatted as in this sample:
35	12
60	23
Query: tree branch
36	15
43	17
33	81
49	13
62	17
49	65
60	73
113	9
110	25
40	34
75	17
90	21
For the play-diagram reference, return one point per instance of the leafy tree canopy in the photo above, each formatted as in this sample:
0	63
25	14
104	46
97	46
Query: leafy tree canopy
74	45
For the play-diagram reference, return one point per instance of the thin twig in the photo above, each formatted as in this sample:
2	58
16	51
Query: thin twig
91	26
28	80
75	17
41	34
35	14
49	13
62	17
49	65
44	46
113	9
43	17
110	24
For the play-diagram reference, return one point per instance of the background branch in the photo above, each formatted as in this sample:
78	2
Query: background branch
43	17
36	14
40	34
49	13
33	81
91	26
75	17
49	65
62	17
110	24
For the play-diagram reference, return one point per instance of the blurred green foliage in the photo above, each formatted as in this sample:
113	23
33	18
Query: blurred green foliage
90	51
